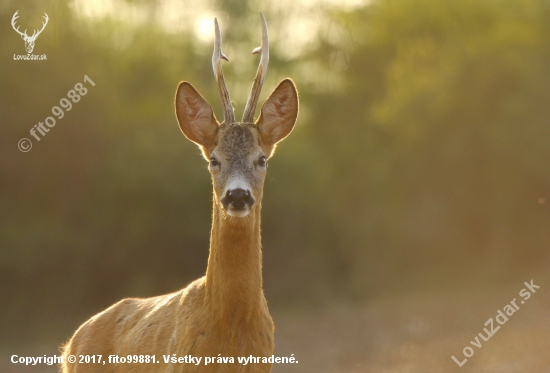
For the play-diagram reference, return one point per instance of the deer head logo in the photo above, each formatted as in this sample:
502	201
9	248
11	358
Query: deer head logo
29	40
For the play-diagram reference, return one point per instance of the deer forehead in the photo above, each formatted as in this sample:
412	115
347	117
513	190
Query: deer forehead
237	142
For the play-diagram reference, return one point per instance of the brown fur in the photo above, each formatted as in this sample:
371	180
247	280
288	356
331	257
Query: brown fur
224	312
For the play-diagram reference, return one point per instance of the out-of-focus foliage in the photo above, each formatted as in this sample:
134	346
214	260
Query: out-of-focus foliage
420	156
436	146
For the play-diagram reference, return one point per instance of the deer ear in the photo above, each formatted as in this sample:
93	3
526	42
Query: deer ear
195	116
279	113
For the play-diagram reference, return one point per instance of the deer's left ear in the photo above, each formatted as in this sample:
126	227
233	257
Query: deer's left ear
279	113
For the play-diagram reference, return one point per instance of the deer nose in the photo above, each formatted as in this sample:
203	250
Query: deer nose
237	199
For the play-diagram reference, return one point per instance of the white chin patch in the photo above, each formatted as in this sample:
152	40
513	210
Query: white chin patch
238	213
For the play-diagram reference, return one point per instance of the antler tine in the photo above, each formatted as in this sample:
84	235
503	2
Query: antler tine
46	19
250	108
13	19
229	115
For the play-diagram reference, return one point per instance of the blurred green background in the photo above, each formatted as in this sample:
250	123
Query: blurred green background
418	170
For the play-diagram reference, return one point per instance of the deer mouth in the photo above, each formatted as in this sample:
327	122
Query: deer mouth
238	213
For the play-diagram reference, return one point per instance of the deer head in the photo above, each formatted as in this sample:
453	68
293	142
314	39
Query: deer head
29	40
237	152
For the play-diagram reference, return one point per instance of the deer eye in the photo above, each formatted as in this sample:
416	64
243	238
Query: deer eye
262	161
214	162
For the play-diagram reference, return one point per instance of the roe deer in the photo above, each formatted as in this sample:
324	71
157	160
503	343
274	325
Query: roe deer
225	312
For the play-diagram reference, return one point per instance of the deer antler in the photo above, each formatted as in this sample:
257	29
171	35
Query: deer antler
263	49
15	16
229	114
36	32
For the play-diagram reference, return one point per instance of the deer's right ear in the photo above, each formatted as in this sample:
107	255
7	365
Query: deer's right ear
279	113
195	116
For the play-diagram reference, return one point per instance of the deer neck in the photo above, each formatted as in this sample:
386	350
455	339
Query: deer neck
234	272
